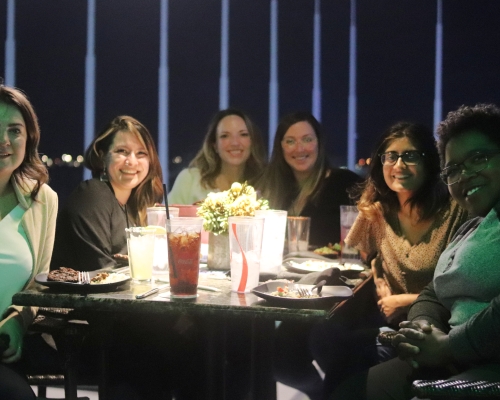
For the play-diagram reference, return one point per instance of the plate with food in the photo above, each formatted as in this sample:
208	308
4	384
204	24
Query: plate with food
284	294
329	251
67	279
304	265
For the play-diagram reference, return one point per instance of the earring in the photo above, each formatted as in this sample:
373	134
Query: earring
104	176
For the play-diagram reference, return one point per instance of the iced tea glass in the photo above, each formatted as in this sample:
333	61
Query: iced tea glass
184	240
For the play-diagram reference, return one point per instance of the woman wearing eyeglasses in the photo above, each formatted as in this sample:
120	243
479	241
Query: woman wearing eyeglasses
406	219
298	178
453	326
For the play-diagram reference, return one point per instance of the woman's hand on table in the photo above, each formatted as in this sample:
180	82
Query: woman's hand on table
12	328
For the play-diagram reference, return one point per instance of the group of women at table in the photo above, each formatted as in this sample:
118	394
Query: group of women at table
408	224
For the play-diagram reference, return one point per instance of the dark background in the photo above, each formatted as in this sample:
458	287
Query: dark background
395	66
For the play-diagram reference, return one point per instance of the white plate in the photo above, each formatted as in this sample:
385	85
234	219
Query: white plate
78	287
329	295
304	265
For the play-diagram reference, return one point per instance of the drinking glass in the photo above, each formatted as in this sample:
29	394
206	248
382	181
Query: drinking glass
298	233
184	239
348	215
157	218
141	246
273	240
245	245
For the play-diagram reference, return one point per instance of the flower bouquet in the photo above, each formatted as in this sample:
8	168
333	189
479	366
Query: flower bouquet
240	200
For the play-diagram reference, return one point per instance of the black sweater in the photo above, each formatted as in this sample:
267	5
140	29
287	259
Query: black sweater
325	210
90	229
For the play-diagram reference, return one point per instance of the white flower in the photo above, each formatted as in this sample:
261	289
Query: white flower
240	200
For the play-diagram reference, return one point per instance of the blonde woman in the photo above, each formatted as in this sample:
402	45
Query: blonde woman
232	152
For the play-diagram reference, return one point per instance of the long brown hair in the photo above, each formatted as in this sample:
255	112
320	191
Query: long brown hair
150	190
209	162
428	200
32	166
278	183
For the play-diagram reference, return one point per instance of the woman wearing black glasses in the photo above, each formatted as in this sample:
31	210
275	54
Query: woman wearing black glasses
406	219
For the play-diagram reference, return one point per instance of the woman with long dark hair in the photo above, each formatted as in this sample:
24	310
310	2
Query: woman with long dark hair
28	209
299	179
126	179
406	219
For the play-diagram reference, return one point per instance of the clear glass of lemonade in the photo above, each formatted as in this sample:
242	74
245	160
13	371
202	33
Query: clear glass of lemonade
141	247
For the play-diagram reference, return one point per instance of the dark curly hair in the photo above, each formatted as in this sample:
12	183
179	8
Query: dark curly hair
484	118
429	199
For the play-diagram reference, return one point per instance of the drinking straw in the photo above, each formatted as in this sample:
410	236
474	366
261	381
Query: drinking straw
126	214
166	200
171	257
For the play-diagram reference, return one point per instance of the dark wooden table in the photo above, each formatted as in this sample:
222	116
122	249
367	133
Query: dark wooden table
218	308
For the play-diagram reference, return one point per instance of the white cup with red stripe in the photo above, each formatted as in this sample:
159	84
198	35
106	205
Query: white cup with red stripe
245	247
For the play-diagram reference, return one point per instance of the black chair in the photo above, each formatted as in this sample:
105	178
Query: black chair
68	333
456	389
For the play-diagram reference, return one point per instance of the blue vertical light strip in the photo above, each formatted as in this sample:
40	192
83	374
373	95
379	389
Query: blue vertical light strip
273	83
89	123
351	120
10	45
316	92
163	105
224	57
438	82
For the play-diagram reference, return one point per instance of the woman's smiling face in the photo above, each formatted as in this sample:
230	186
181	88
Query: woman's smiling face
127	162
479	191
402	178
300	148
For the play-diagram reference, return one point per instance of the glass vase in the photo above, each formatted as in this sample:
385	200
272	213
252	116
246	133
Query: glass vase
218	251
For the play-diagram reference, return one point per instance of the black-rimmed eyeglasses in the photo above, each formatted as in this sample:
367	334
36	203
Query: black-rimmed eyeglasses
410	157
472	164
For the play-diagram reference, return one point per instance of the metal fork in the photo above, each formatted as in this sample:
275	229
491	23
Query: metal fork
303	292
84	278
